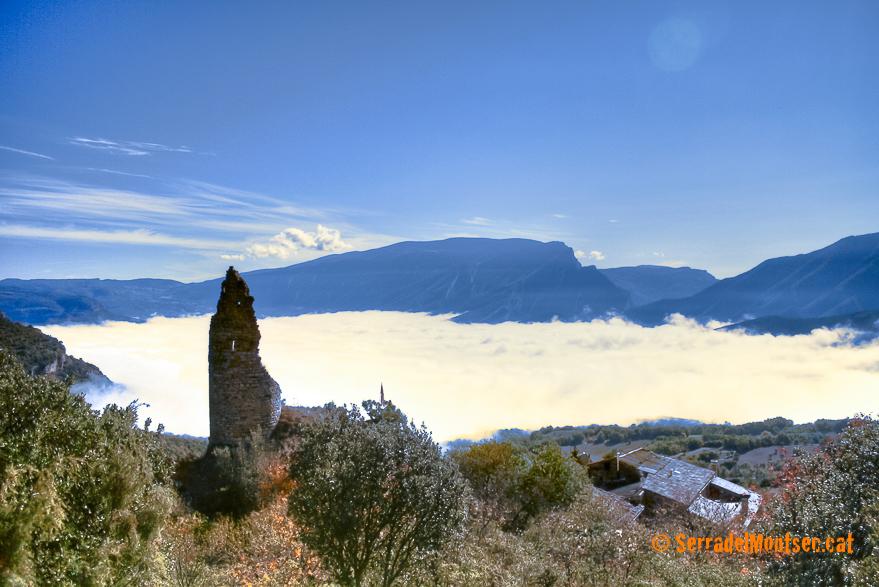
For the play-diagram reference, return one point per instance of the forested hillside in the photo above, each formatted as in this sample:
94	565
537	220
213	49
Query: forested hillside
41	354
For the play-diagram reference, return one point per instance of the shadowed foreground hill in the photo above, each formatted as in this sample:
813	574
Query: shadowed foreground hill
41	354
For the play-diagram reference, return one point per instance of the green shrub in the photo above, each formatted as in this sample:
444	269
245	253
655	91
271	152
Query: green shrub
373	497
511	488
82	494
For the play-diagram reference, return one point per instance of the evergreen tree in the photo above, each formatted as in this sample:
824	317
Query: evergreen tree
373	496
81	492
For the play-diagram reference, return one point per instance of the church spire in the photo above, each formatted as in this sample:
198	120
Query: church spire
383	393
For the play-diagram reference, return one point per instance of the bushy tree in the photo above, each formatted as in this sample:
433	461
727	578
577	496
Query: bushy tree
512	488
493	470
551	480
81	492
832	493
372	496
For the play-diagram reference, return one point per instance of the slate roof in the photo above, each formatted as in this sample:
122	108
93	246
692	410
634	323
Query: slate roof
730	486
645	460
714	511
679	481
626	512
683	483
583	456
719	512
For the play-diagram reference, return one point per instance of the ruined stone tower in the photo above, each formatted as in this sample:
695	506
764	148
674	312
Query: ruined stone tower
242	394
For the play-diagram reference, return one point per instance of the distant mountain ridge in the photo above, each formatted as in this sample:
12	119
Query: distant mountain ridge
53	301
650	283
842	278
481	280
488	281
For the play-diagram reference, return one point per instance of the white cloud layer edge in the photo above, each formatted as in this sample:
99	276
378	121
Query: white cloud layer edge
468	380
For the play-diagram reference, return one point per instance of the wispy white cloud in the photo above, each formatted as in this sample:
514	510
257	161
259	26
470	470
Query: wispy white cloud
267	206
47	199
120	172
126	147
26	153
202	217
478	221
106	146
233	257
467	380
77	201
290	240
560	216
157	147
131	237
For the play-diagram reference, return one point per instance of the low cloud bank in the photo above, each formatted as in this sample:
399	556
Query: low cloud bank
468	380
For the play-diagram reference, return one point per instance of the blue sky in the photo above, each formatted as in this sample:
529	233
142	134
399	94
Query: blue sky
170	139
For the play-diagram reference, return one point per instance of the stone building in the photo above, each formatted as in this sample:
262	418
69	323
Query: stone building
242	395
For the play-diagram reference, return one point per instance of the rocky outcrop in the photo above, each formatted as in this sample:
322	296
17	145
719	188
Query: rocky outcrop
41	354
242	394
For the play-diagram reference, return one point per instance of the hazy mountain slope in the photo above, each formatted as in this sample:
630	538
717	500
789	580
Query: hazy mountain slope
867	322
649	283
48	301
484	280
842	278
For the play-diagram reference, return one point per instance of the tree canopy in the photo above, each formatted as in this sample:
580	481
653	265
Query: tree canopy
81	492
513	487
373	496
832	493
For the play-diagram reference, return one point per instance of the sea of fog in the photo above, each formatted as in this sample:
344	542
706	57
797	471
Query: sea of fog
468	380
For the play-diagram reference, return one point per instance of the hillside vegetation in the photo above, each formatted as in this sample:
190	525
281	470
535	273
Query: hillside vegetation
89	498
41	354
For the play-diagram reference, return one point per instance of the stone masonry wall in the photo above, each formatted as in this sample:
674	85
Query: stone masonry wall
242	394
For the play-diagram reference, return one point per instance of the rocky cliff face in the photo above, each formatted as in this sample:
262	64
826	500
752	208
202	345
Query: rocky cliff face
242	394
